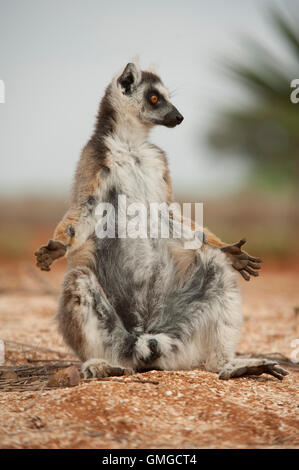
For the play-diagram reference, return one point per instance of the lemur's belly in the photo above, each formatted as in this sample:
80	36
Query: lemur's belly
133	271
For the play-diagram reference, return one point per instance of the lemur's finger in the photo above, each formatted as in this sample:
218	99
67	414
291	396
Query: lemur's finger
46	258
244	275
45	268
241	242
245	256
281	370
242	256
255	260
250	271
274	372
253	265
41	251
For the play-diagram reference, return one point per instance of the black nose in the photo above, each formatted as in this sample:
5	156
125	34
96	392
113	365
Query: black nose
179	118
173	118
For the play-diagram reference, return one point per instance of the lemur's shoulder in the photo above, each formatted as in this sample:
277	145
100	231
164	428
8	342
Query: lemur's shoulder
158	151
160	154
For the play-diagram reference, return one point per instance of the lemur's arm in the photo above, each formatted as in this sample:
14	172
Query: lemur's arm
71	233
79	221
246	265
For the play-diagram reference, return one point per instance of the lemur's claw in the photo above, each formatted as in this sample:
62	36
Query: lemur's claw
49	253
246	265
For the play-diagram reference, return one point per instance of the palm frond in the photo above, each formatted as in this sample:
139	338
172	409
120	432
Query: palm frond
286	31
267	129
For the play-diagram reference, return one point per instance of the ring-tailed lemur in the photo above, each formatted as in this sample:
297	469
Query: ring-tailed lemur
143	303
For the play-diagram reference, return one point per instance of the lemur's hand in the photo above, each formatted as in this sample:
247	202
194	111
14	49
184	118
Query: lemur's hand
241	261
49	253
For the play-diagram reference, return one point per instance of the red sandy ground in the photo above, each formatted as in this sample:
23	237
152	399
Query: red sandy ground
186	409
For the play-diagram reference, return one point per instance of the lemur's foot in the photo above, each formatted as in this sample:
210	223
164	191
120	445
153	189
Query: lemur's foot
99	368
241	261
49	253
148	349
241	367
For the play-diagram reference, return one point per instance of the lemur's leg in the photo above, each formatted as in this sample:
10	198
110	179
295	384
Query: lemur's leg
200	320
246	366
200	323
91	327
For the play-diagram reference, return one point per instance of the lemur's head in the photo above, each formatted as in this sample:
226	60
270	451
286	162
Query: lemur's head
142	95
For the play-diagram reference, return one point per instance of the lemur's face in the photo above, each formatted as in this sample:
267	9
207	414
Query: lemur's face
147	98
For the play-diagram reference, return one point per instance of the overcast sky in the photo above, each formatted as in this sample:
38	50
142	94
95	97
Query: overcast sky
57	56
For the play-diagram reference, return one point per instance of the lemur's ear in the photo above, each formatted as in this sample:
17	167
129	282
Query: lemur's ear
130	77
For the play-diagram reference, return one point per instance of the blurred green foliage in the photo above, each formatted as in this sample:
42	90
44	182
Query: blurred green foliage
267	129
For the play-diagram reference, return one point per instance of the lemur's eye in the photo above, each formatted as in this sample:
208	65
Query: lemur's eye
154	99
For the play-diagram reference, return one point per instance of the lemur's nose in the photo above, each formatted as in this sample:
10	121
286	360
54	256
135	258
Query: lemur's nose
179	118
173	118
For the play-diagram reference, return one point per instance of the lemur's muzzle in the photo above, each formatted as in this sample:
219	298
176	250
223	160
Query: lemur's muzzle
173	118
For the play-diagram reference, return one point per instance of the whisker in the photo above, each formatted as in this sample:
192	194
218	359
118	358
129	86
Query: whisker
173	92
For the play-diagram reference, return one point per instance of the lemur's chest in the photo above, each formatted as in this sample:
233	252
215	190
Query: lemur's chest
137	172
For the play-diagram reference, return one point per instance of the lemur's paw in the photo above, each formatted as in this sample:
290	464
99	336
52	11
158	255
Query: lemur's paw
246	265
100	369
49	253
147	349
241	367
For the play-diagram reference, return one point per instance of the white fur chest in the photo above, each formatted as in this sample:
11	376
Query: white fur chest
136	171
